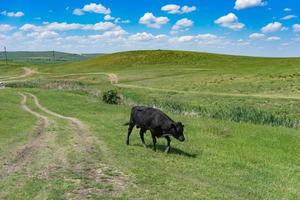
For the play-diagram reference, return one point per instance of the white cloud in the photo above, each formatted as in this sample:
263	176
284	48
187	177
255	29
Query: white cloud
185	38
78	12
99	26
242	42
289	17
108	36
296	27
176	9
287	9
171	8
6	27
230	21
144	37
182	23
56	26
96	8
43	35
256	36
201	39
29	27
243	4
12	14
93	8
273	38
187	9
62	26
117	32
154	22
108	18
210	39
272	27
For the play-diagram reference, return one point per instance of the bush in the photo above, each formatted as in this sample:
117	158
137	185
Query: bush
111	97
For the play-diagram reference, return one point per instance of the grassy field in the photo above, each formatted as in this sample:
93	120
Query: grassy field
240	113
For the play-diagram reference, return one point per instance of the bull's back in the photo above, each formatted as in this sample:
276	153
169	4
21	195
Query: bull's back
147	117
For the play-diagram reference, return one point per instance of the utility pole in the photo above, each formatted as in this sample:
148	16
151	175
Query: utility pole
53	54
5	53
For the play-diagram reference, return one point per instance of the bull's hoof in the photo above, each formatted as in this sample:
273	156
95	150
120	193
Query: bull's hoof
127	142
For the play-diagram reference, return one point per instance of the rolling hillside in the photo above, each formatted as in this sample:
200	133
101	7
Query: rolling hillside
59	140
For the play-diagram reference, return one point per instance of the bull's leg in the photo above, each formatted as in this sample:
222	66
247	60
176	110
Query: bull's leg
154	141
168	144
142	132
129	132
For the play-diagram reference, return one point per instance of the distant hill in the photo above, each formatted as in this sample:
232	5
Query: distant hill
44	56
167	59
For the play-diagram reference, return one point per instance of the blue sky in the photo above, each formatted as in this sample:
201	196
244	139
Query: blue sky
246	27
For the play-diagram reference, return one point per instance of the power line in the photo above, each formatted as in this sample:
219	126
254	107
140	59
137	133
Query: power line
53	54
5	53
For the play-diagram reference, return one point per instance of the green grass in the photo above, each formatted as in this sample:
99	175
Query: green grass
219	159
227	103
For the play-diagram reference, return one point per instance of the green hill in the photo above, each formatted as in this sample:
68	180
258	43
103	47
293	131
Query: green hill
44	56
59	140
158	59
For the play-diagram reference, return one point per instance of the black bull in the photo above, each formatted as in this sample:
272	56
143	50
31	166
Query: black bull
159	124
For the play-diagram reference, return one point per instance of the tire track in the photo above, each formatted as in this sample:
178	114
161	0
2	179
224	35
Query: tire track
23	155
87	166
79	126
44	119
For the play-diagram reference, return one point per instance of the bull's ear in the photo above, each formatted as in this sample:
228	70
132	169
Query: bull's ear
180	124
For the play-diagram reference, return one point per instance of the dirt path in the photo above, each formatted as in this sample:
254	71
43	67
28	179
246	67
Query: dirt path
27	72
74	121
43	157
269	96
22	156
114	80
45	121
87	166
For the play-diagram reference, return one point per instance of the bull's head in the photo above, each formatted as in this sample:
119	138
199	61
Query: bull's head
178	131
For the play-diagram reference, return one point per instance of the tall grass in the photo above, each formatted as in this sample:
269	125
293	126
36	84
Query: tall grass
236	113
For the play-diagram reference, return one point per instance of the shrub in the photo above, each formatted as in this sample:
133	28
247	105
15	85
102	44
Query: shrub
111	97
